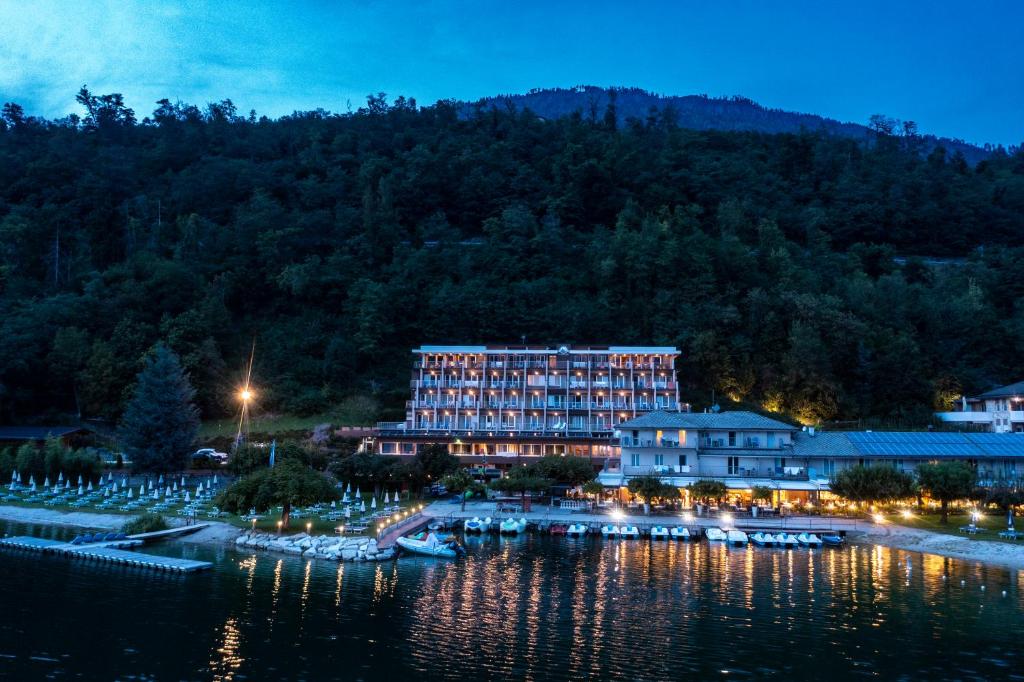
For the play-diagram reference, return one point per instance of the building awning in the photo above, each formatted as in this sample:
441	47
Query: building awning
611	479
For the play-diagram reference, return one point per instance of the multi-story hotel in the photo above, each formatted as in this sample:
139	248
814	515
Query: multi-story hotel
999	410
496	403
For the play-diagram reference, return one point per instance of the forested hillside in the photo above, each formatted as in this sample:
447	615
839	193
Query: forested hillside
339	242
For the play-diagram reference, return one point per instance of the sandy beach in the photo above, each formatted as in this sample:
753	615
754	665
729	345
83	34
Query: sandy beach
216	532
964	548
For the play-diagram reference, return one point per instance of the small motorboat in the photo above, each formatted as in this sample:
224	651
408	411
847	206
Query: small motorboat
659	533
609	531
762	539
558	529
736	537
431	545
629	532
833	540
787	540
679	533
473	525
809	540
715	534
576	530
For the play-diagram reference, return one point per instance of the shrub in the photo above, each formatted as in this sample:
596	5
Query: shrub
147	523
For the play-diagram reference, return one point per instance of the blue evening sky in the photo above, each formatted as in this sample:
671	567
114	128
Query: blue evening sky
954	67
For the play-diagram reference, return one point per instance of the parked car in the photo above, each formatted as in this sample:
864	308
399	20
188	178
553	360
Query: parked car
210	454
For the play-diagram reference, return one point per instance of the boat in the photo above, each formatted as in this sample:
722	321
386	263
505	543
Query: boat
473	525
576	530
786	540
558	529
762	539
736	537
679	533
715	534
629	532
512	527
809	540
431	545
609	531
833	540
659	533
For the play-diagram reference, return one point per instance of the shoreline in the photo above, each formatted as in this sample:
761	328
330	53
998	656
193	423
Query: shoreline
216	532
892	536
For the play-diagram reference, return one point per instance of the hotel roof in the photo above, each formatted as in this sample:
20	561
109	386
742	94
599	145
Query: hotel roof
930	444
737	420
541	348
1008	391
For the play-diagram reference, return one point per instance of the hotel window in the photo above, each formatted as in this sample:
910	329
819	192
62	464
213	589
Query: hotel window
659	460
634	459
408	448
732	439
388	448
829	467
682	460
508	421
734	466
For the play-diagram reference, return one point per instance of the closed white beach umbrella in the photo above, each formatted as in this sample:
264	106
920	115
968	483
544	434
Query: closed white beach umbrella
14	476
129	494
345	499
161	480
110	477
79	479
348	488
215	479
155	495
60	477
207	485
183	481
114	488
90	486
176	486
81	490
142	490
106	492
32	480
199	490
151	485
334	504
348	512
387	497
167	493
32	487
362	508
188	498
46	483
67	484
359	495
373	502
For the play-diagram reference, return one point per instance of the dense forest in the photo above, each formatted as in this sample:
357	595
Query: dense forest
791	268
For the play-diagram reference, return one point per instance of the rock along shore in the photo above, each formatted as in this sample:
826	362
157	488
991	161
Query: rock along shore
317	547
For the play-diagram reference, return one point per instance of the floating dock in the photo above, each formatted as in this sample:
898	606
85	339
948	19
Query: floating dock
108	552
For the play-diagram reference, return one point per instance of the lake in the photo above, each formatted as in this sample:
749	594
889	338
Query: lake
535	608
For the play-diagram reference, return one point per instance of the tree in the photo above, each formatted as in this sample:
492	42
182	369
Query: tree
521	480
160	424
650	488
761	492
594	487
569	470
436	462
458	482
289	483
870	484
706	490
947	481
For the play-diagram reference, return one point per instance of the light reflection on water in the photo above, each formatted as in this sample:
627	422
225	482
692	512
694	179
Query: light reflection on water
522	608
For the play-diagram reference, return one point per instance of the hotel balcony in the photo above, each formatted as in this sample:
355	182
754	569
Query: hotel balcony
710	472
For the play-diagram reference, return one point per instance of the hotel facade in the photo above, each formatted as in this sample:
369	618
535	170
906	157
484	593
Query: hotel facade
496	404
745	449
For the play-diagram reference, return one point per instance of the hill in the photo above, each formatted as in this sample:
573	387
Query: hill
700	112
339	242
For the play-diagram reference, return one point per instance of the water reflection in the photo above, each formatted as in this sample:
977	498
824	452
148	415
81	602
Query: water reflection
530	608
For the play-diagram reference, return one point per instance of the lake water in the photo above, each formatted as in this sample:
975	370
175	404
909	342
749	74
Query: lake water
533	608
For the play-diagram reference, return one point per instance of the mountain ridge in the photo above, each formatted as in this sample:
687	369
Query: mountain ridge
702	112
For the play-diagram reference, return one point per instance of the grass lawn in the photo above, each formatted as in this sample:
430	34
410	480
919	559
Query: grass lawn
992	523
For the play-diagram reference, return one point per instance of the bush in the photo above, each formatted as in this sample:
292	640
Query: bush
147	523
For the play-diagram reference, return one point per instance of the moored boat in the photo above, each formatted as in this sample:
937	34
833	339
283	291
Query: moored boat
786	540
715	534
473	525
736	537
659	533
509	527
679	533
762	539
809	540
629	532
609	531
833	539
576	530
558	529
431	545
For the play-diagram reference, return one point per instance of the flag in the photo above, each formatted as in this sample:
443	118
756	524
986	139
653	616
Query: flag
273	446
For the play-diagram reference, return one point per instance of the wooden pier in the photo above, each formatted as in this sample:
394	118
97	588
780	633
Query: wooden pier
108	552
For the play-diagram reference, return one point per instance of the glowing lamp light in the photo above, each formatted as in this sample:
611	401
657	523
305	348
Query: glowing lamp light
879	518
688	517
726	519
907	514
618	515
245	394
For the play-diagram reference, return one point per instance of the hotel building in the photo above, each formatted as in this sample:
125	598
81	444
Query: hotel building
999	410
494	404
745	449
